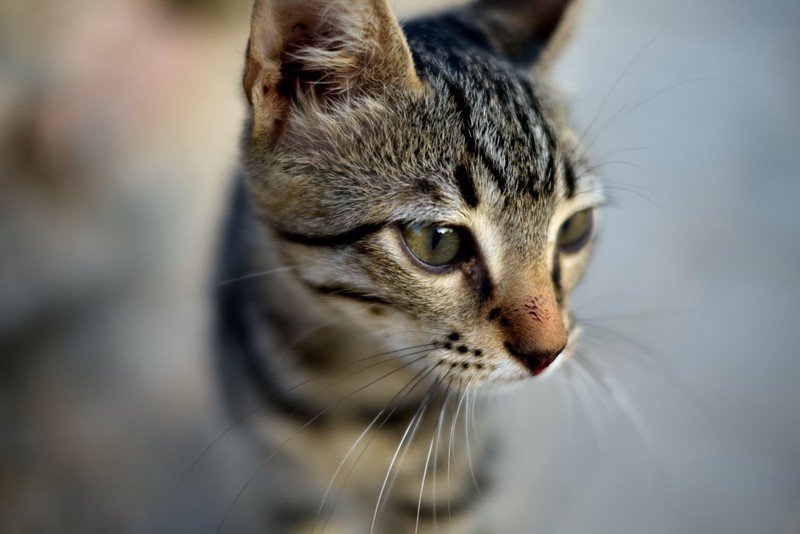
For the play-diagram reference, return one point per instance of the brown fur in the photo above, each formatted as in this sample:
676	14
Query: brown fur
359	129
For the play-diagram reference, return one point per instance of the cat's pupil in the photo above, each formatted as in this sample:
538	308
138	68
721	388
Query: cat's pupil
437	236
435	246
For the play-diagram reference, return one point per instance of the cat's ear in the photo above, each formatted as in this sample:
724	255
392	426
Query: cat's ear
317	50
528	32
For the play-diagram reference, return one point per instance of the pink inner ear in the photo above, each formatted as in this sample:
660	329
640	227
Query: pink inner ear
533	307
331	46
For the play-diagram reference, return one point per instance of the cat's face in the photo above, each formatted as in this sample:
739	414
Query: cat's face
447	207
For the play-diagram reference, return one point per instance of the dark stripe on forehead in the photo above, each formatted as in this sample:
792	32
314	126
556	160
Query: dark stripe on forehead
490	164
543	184
473	148
524	121
540	184
465	186
335	240
532	100
465	114
549	184
548	181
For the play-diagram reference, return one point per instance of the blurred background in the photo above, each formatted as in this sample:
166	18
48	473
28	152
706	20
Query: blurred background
119	124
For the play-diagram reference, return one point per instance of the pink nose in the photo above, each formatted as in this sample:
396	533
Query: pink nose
535	332
536	361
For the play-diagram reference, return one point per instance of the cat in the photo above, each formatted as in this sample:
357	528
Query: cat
411	216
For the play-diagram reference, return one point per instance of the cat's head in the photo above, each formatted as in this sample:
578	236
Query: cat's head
419	177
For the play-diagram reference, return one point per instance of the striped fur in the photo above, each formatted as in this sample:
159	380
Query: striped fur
358	359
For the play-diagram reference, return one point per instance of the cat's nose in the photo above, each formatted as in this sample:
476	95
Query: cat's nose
534	331
536	360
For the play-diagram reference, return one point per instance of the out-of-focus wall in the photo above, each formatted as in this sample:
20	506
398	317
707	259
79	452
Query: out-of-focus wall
118	133
118	128
119	125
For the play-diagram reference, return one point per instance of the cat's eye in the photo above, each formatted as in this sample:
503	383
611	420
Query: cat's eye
575	232
435	246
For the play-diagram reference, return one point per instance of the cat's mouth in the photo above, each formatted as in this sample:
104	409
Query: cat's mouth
563	356
544	362
536	362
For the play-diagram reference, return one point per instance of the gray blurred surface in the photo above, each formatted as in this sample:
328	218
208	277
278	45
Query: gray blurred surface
690	111
113	178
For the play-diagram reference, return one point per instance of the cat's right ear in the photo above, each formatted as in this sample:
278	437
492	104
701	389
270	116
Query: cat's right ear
309	52
528	32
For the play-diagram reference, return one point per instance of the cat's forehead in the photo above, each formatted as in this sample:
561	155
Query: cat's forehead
474	141
505	146
503	129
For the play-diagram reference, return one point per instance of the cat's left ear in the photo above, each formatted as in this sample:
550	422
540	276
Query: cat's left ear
530	33
305	52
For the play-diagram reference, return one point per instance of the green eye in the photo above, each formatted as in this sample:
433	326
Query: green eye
575	232
436	246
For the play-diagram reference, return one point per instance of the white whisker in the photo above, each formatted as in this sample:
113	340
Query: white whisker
408	434
584	398
469	452
394	401
438	433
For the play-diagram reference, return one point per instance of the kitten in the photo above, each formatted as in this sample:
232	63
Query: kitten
411	218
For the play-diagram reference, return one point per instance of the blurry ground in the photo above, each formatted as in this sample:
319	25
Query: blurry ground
118	130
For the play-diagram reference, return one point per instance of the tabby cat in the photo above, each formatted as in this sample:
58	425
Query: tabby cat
410	220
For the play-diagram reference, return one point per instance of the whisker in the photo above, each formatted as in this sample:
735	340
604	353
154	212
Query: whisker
471	410
626	189
623	402
627	149
604	382
595	333
461	402
679	84
304	426
288	348
436	456
603	298
265	405
352	468
601	164
413	423
251	276
200	288
582	392
568	408
620	78
422	484
407	446
590	143
393	403
451	446
427	463
425	350
469	452
629	316
625	110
